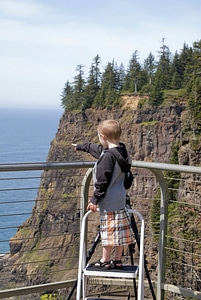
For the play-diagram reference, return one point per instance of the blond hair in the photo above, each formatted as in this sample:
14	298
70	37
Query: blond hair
110	128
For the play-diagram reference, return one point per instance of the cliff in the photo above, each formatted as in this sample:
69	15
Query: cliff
148	134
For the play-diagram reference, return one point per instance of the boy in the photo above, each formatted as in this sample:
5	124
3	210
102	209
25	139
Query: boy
109	192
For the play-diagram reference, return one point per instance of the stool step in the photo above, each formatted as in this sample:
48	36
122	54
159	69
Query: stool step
128	271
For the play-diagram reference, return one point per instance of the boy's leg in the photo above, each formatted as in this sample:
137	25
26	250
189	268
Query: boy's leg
106	253
118	252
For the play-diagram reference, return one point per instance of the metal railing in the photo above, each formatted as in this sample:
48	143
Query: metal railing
169	244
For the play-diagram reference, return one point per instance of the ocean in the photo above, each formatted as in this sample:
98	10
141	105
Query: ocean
25	136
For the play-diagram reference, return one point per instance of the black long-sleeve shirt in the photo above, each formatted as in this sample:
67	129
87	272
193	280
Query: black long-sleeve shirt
108	175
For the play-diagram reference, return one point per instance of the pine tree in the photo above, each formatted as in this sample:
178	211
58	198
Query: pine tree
79	85
194	86
176	72
108	93
67	100
162	76
150	67
97	73
186	60
93	83
132	79
120	77
103	90
90	89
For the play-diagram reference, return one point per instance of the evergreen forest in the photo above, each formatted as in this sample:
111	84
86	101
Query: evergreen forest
180	73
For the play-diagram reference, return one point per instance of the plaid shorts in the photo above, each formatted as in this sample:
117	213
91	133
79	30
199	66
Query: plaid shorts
115	228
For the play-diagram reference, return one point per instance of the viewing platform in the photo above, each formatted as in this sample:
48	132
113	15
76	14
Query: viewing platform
41	209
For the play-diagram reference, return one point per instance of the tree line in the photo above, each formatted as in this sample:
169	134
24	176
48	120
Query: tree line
101	90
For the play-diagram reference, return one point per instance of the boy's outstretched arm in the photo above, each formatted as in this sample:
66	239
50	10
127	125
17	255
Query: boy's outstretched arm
94	149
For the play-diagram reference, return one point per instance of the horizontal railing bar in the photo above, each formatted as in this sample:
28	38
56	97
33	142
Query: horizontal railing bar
37	288
166	167
17	214
88	164
63	284
44	166
19	189
42	250
18	201
8	227
28	238
183	240
39	261
4	202
19	178
182	291
26	213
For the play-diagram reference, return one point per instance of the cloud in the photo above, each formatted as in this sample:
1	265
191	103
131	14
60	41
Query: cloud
22	9
42	42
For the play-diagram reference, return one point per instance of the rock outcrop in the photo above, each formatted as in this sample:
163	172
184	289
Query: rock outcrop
148	134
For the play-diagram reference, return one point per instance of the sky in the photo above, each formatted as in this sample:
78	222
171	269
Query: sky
43	41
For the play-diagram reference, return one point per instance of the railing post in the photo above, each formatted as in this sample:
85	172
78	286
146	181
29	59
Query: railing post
83	205
85	193
163	232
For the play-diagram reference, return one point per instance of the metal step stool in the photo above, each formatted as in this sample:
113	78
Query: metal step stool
128	271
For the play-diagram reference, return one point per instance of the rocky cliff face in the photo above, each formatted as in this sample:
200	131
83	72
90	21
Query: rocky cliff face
148	134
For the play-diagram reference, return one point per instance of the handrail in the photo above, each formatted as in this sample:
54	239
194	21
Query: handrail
44	166
156	168
36	288
166	167
89	164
